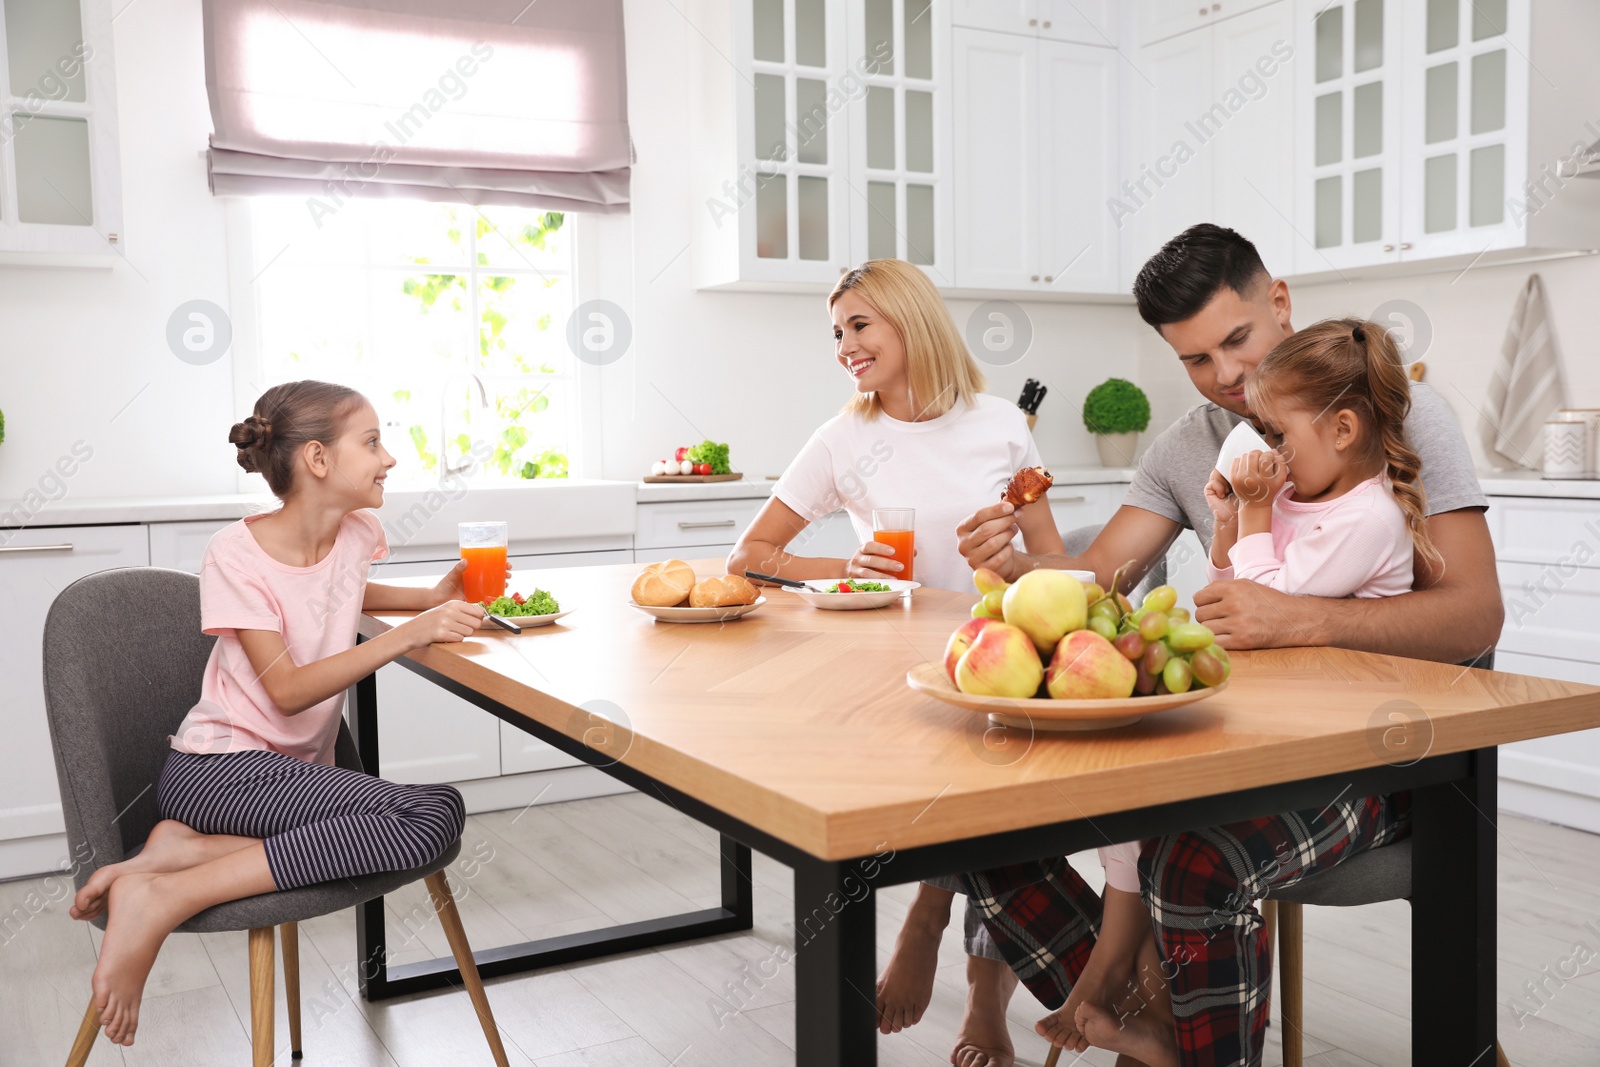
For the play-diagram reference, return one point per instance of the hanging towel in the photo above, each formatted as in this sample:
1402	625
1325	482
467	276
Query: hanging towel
1527	386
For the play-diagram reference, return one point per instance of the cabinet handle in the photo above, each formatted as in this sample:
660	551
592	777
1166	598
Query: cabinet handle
1048	279
1202	11
1033	22
36	548
706	525
1388	248
1033	277
1047	24
1216	7
1068	499
1405	246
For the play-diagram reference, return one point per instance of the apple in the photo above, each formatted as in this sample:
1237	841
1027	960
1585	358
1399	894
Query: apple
1046	604
1001	663
962	640
987	581
1088	667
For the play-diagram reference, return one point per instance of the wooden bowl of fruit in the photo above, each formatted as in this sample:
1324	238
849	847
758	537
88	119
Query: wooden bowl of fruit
1063	655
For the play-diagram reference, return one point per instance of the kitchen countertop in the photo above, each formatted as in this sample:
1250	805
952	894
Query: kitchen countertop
107	510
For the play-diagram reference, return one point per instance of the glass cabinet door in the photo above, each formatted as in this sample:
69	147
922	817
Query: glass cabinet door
900	190
794	226
1348	84
1466	77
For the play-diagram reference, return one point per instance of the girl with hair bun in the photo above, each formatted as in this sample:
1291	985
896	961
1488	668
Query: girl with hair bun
250	799
1338	508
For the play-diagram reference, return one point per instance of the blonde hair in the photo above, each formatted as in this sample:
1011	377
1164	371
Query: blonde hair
1356	365
940	368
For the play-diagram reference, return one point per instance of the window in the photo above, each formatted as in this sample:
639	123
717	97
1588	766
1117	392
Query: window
406	301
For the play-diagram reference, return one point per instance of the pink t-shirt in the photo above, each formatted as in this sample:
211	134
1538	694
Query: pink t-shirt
1122	865
315	608
1357	544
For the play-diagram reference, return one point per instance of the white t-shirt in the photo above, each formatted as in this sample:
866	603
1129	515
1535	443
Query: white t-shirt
946	468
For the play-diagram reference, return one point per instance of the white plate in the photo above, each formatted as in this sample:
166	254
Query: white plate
1042	713
523	621
728	614
814	595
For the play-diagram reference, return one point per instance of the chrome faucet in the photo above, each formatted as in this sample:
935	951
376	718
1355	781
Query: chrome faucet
445	467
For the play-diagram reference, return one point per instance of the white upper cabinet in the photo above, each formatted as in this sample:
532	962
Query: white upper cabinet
1036	136
1348	105
899	158
1169	186
1157	19
1084	21
1436	129
60	191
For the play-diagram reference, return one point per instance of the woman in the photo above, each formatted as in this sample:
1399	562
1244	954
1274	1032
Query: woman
918	433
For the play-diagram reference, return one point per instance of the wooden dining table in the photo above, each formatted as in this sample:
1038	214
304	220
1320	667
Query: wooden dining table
792	731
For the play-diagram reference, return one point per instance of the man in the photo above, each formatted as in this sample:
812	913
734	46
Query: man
1209	296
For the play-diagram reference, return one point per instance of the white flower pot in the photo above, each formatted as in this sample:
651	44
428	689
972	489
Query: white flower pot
1117	449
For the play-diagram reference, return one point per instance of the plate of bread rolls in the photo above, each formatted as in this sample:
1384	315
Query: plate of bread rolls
669	592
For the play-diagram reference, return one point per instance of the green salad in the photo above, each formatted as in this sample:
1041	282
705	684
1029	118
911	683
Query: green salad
540	603
854	586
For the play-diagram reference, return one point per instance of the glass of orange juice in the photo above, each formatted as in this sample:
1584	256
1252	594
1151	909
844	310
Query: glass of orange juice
483	546
893	527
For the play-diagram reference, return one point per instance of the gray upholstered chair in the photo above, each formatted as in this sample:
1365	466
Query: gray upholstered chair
123	659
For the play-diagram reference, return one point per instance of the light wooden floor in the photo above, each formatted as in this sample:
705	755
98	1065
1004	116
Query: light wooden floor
567	867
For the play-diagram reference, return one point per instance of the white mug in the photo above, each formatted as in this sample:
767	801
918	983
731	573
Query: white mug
1566	448
1240	442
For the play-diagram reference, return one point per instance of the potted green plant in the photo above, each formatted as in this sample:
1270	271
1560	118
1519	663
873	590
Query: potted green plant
1116	411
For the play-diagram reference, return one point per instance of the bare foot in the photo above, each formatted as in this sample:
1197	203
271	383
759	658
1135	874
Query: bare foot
906	986
983	1040
1146	1036
1060	1027
166	837
171	846
135	928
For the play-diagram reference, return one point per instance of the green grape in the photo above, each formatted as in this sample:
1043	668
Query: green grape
1208	670
992	600
1178	614
1156	657
1144	683
1131	645
1153	627
1104	627
1190	637
1177	675
1107	609
1161	598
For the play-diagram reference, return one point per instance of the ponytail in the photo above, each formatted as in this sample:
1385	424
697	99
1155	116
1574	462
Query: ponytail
1354	364
1389	388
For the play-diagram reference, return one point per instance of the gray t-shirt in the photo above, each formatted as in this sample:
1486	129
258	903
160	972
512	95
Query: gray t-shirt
1172	475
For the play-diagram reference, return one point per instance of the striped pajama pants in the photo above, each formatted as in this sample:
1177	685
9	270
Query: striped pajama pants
1201	887
318	823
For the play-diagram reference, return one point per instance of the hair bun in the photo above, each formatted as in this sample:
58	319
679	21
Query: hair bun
252	438
1358	335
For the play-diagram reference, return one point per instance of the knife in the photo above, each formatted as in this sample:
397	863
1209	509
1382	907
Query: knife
504	623
775	580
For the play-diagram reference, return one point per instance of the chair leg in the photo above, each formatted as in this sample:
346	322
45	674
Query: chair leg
289	934
1269	915
87	1031
261	976
1053	1057
444	902
1500	1056
1290	1013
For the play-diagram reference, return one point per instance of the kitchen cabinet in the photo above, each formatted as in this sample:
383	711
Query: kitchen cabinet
181	546
1434	130
429	735
821	131
1214	121
1547	553
60	176
1157	19
1037	141
1095	22
36	563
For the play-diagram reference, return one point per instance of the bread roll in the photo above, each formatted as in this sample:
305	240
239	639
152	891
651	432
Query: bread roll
663	585
727	591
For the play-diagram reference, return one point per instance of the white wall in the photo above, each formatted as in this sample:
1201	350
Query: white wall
76	346
1467	314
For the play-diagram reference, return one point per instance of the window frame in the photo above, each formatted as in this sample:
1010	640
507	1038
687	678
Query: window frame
600	245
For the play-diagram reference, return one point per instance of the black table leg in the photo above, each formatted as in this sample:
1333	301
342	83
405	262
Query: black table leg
379	981
1453	918
835	924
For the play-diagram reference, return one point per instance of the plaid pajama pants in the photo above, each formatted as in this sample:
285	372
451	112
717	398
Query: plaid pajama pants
1200	887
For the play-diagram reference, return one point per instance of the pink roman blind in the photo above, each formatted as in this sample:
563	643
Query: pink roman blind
477	101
